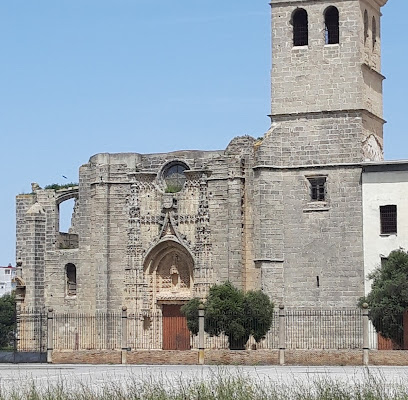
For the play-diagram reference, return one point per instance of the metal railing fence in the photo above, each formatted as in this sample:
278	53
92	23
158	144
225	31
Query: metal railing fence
321	329
145	331
400	338
100	331
31	331
324	329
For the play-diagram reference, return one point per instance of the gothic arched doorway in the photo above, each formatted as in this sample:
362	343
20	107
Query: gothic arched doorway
169	271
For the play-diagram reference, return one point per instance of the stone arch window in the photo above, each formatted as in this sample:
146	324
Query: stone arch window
300	28
331	23
173	176
67	208
71	281
365	26
374	31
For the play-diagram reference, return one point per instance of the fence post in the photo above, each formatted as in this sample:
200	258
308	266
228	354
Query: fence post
50	323
201	334
282	330
405	327
124	336
365	334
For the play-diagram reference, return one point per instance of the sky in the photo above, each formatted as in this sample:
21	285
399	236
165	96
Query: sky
80	77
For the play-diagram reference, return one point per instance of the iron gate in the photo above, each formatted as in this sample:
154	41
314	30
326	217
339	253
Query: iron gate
26	338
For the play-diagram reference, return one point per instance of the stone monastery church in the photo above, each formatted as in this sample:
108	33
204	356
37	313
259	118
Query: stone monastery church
283	213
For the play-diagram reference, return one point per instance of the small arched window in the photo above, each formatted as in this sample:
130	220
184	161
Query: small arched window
300	28
331	22
70	271
374	31
365	26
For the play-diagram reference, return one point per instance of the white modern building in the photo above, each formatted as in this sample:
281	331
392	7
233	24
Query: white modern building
6	279
385	212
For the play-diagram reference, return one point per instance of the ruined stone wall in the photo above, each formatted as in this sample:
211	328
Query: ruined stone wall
123	212
235	218
23	203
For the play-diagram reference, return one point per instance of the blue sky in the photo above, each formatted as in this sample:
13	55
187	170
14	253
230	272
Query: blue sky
80	77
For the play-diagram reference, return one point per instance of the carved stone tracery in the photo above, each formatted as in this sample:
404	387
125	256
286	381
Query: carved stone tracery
203	231
134	220
168	274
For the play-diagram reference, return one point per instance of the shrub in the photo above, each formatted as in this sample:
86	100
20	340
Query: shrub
388	298
7	320
230	311
57	186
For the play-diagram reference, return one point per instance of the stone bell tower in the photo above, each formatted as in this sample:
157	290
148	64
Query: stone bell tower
326	74
326	120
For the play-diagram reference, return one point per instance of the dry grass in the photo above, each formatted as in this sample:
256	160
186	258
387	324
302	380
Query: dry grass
220	386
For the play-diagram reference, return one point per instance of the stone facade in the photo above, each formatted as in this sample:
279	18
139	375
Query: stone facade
282	213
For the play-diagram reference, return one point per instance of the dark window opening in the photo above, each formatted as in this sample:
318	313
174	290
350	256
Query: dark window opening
70	270
374	31
331	21
365	26
388	219
300	28
317	189
384	260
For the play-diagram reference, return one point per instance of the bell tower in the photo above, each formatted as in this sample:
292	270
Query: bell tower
326	79
327	118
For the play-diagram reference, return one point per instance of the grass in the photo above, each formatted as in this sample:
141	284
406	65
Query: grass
219	386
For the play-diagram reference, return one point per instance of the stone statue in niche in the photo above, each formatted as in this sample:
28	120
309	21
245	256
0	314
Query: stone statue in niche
174	274
175	278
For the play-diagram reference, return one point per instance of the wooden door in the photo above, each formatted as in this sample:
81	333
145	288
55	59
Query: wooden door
176	335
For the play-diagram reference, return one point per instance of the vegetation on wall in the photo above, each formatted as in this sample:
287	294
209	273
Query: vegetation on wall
7	320
173	188
388	299
232	312
57	186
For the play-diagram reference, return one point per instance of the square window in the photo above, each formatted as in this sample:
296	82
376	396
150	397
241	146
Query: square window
317	188
388	219
7	272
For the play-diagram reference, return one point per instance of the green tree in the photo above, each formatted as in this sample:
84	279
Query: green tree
259	309
190	311
7	320
388	298
230	311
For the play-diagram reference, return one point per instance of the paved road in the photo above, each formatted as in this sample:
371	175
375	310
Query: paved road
96	376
